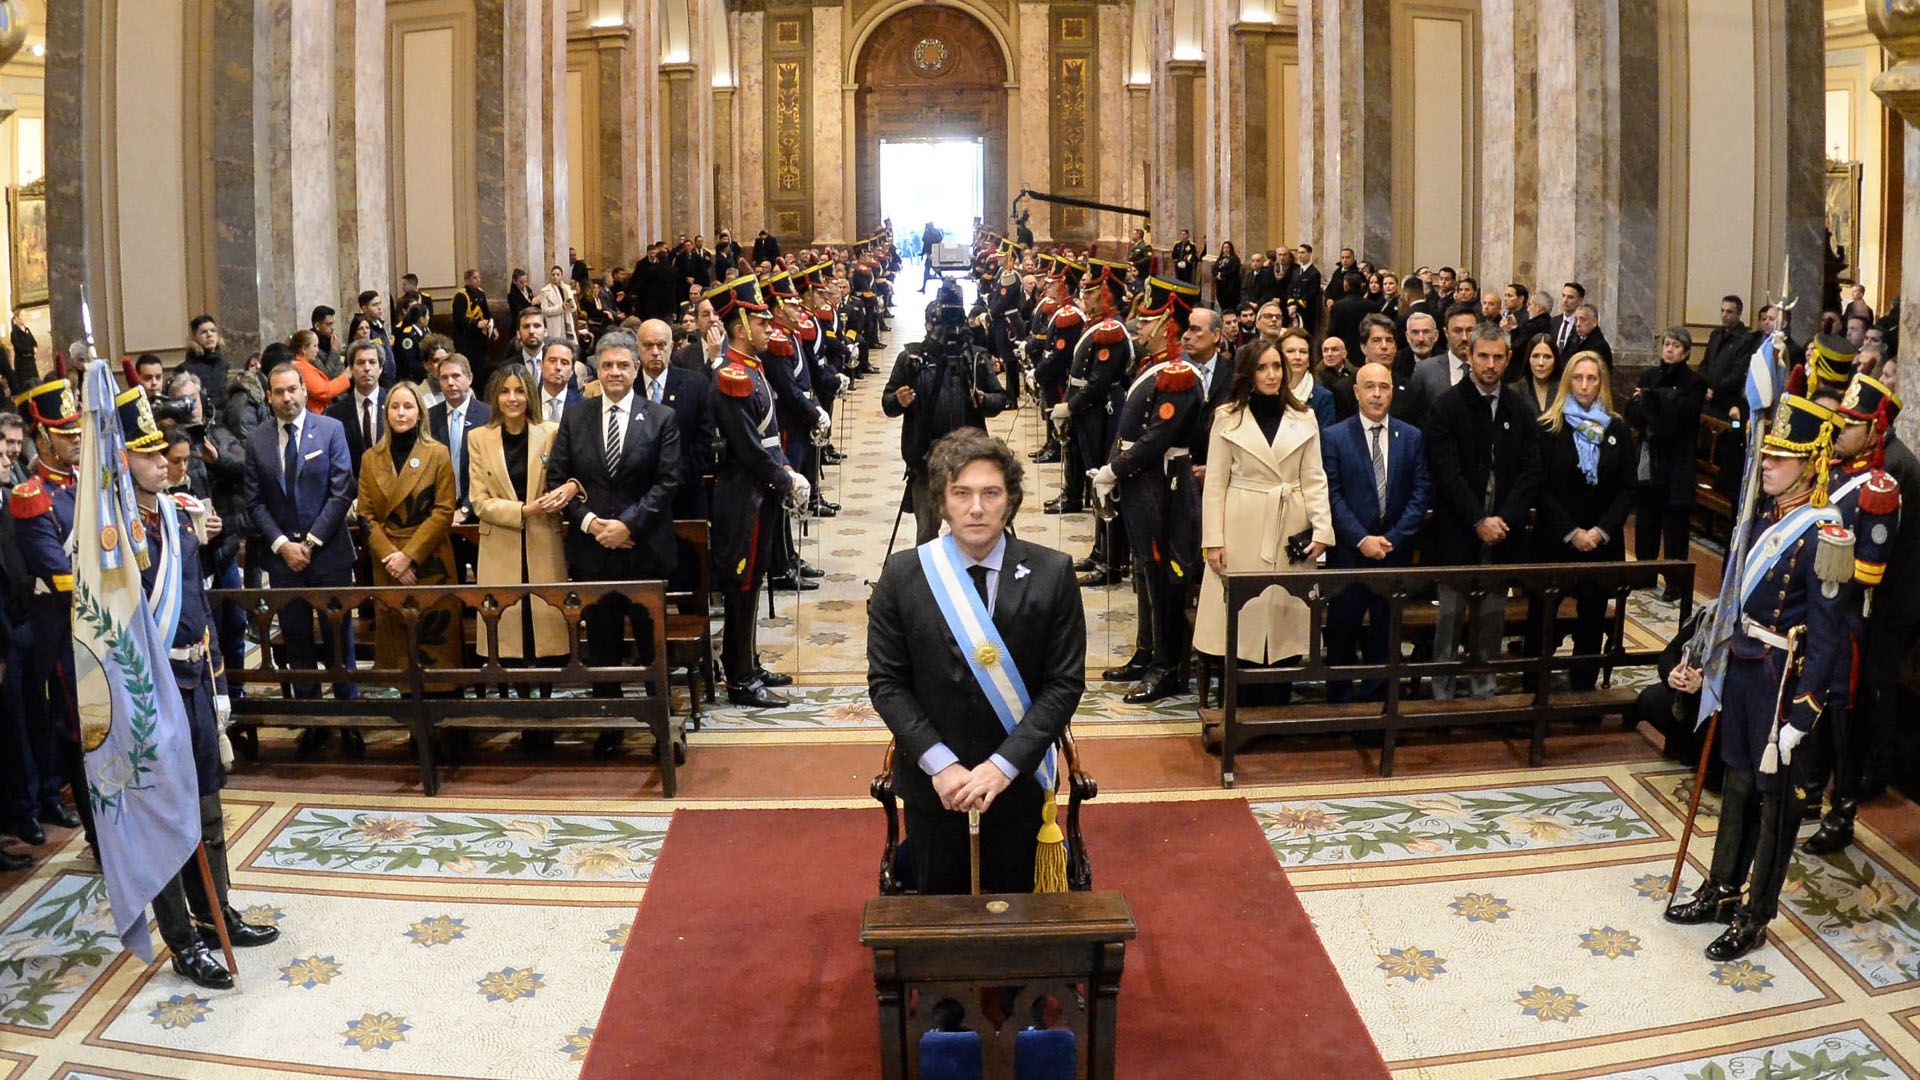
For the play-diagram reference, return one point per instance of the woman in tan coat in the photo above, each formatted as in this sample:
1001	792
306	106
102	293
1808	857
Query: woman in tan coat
407	498
521	529
1265	483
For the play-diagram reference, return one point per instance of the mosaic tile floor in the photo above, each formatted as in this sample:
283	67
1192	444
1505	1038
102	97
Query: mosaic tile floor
1496	923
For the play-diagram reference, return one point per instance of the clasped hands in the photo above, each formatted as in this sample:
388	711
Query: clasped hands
400	567
962	789
611	532
550	503
1491	530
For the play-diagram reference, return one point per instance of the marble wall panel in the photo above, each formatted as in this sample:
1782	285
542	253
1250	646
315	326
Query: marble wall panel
751	128
360	118
1111	115
1033	165
830	165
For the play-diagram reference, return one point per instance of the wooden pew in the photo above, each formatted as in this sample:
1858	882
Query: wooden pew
1541	586
401	693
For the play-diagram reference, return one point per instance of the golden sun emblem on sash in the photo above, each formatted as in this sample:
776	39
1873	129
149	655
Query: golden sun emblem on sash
986	655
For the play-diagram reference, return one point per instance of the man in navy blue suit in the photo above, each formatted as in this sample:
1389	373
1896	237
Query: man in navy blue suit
557	384
299	483
685	392
1377	484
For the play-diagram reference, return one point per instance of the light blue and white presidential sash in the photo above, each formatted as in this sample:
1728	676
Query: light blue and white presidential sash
987	656
1773	543
165	598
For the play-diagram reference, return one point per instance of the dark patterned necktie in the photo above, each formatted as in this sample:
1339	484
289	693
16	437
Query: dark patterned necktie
613	439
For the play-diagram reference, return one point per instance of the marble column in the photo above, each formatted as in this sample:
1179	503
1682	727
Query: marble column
830	163
515	92
724	141
1139	145
360	186
1799	138
1252	135
750	129
683	180
1313	110
1509	156
1113	32
614	224
1032	166
1356	129
75	189
1179	175
1899	87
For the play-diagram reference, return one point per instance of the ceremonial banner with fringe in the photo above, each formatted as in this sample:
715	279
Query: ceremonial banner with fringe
141	781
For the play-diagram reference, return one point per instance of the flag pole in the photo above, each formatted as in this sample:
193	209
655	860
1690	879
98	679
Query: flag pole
213	903
1693	805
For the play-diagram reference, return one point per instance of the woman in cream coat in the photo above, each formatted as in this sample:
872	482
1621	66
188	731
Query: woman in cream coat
520	524
1265	483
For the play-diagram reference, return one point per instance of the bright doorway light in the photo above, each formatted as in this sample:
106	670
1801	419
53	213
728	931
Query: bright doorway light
937	180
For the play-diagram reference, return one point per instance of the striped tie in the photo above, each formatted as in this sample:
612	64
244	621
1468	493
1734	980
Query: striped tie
613	439
1379	472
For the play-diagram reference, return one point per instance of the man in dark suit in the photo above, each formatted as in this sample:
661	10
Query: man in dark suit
624	451
450	420
1484	460
955	752
1587	337
299	484
1304	293
703	347
1572	295
1343	318
361	410
557	391
687	394
1377	485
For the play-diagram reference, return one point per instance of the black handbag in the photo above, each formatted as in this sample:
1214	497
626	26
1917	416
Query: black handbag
1297	545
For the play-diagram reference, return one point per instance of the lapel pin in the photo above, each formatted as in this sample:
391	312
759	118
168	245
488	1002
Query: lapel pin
1020	571
413	463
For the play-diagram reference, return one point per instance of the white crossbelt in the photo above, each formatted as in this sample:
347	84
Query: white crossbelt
1076	383
1173	454
189	654
771	442
1764	635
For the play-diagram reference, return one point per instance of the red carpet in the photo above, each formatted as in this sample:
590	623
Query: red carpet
745	959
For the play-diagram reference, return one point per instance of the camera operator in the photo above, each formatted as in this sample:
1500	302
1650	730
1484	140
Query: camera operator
940	384
210	463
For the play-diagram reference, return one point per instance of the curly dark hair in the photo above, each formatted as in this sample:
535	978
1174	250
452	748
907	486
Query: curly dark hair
960	448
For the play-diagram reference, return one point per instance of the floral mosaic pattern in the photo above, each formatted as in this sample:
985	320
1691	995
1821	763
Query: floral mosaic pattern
616	939
436	930
309	972
54	951
1742	976
1610	943
1393	829
510	984
180	1010
847	708
1481	907
577	1044
1841	1055
377	1031
1550	1004
1856	907
467	846
1412	964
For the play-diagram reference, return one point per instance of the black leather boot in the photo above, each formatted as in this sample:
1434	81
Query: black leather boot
201	968
1835	831
1745	935
1711	902
243	934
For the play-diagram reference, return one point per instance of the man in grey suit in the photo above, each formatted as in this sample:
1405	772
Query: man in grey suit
1436	375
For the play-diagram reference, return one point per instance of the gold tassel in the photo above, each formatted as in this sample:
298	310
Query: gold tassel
1050	855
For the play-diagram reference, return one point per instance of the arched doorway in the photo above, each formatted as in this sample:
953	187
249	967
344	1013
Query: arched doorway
929	73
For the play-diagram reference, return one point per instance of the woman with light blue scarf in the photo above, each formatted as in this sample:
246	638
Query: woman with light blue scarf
1587	465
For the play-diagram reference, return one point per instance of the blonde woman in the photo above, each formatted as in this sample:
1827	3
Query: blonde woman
1265	485
407	499
1587	466
521	530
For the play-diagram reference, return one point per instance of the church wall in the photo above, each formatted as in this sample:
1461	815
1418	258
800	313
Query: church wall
1434	130
149	205
1720	116
433	209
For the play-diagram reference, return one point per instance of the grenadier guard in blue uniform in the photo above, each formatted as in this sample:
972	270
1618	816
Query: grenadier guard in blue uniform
1057	324
176	526
1005	297
42	509
1868	499
751	485
1162	416
1102	360
1780	676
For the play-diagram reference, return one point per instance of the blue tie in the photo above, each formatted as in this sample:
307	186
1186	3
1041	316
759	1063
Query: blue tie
456	435
290	459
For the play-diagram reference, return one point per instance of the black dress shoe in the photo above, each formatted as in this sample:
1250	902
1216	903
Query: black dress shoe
755	695
202	968
1153	686
1047	455
1130	671
790	583
243	934
29	832
15	860
58	813
774	678
1062	506
1087	566
1834	834
353	743
1745	935
311	742
824	510
808	570
1711	902
1101	577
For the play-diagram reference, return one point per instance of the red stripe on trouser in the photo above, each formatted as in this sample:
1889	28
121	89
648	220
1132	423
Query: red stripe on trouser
753	554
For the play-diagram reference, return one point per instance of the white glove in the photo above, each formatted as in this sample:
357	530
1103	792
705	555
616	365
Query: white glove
222	709
1059	413
844	382
1104	480
1790	737
802	492
226	751
821	421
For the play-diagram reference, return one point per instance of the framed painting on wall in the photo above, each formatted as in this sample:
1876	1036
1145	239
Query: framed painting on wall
1843	215
27	226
